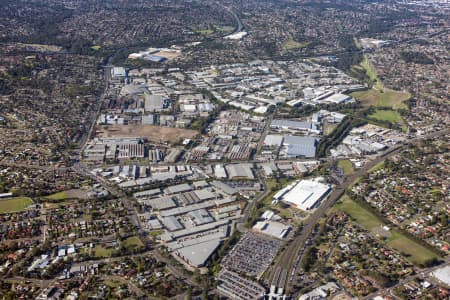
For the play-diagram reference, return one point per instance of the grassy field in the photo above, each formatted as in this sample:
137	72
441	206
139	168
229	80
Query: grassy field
346	166
14	204
112	282
224	28
391	116
156	233
372	73
133	241
361	216
385	98
377	167
205	31
416	253
293	45
58	196
96	47
413	251
100	251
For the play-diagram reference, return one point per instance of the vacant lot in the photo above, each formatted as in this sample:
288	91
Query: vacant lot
168	54
346	166
133	242
384	98
14	204
155	134
413	251
102	252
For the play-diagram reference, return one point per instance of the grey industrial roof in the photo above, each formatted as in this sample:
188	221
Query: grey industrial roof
169	236
198	254
204	194
147	193
179	188
200	184
172	223
153	102
159	203
291	124
219	233
273	140
300	145
200	216
186	209
240	170
224	187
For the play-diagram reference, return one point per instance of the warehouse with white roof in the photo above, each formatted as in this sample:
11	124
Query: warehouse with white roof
307	194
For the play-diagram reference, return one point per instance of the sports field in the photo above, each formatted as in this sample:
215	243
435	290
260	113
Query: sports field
14	204
391	116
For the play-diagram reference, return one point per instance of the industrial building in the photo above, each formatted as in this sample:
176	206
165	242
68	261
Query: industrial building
172	223
306	194
240	152
240	171
159	203
337	99
179	188
219	171
287	125
198	254
299	146
118	72
272	228
273	140
443	275
131	151
155	102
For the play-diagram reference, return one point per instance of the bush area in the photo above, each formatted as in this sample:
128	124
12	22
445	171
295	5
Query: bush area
351	55
338	134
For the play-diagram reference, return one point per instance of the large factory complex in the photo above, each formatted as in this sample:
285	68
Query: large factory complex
304	194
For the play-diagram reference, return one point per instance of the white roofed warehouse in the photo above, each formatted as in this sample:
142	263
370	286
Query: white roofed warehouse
306	194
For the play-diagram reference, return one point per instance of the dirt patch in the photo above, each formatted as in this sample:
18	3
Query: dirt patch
168	54
154	134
